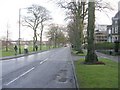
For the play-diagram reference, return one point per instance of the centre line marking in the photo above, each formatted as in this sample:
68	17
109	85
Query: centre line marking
41	62
20	76
44	61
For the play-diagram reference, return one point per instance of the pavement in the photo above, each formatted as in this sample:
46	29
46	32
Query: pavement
19	55
48	69
113	58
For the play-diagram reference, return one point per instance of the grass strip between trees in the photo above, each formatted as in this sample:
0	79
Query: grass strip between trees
97	76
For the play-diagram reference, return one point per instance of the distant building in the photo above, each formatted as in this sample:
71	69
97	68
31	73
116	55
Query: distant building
116	26
101	36
109	30
101	33
102	27
106	33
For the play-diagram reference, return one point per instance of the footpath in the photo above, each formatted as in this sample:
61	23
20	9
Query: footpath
113	58
19	55
101	55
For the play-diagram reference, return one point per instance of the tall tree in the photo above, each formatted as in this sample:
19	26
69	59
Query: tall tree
91	56
72	33
55	35
44	17
76	11
7	37
36	16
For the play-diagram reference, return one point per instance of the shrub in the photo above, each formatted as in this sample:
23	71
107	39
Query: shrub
105	45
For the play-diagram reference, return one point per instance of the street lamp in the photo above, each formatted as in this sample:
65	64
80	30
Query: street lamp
19	30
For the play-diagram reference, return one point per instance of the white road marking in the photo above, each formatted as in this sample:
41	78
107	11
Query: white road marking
41	62
44	61
20	76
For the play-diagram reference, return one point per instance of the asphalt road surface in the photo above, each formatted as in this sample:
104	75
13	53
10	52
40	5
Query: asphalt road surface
49	69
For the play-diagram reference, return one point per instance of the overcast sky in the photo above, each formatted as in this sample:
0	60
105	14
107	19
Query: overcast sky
9	13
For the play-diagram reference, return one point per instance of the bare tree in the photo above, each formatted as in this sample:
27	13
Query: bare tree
7	37
91	56
36	16
77	12
56	35
44	17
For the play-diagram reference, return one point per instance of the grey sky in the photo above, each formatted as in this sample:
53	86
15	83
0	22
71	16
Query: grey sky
10	12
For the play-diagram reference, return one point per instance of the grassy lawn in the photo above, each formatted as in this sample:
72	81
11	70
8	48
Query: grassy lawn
97	76
11	51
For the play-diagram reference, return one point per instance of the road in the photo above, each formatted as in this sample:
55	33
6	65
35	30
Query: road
49	69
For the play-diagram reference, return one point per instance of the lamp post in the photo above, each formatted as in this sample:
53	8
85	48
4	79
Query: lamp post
19	30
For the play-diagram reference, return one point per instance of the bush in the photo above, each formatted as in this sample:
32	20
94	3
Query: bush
105	45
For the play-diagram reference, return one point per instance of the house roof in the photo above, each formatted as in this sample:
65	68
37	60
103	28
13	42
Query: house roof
117	15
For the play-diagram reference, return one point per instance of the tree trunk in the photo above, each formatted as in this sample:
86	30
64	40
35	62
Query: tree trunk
91	55
79	35
41	33
7	43
34	40
40	42
55	42
34	43
6	46
79	29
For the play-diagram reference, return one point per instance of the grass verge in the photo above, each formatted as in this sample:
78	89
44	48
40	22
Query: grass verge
97	76
74	52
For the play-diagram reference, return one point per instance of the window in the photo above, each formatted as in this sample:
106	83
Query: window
109	31
112	29
116	38
116	29
116	22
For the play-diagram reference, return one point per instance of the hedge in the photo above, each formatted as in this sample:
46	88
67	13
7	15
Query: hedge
105	45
